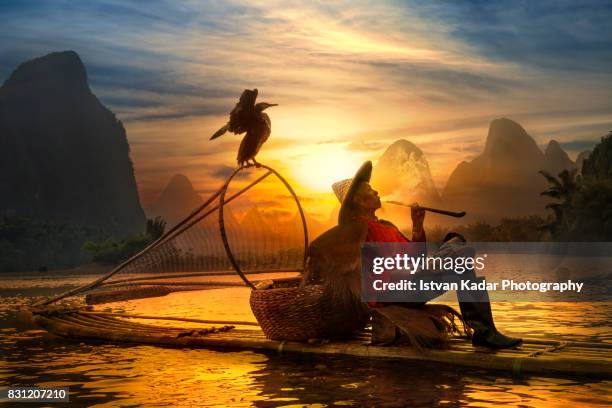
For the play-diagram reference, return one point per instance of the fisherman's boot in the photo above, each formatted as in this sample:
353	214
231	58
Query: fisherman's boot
476	311
478	316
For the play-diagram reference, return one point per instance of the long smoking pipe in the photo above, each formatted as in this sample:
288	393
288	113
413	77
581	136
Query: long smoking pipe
435	210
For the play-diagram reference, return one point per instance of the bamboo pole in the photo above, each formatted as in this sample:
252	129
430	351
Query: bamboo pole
180	319
179	283
113	322
96	298
188	275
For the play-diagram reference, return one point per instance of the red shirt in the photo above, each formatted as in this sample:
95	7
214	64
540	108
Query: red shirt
379	232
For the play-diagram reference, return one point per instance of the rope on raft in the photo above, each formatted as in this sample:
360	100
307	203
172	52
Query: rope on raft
517	364
557	347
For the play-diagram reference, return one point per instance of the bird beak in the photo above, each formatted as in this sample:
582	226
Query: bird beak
268	105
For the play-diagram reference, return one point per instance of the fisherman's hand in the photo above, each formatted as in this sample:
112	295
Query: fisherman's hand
418	215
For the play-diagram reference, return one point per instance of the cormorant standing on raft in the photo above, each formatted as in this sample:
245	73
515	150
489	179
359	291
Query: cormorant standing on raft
247	116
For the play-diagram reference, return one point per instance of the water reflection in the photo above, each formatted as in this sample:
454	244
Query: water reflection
339	382
133	375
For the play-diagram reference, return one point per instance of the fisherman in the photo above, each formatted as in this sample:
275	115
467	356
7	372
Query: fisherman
334	261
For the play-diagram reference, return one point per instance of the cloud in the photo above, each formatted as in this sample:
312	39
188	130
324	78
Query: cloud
360	145
359	73
446	84
223	172
289	198
550	35
579	145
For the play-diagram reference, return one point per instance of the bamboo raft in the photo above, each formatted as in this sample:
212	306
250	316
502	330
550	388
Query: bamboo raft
543	357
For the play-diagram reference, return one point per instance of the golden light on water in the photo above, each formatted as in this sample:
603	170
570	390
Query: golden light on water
107	375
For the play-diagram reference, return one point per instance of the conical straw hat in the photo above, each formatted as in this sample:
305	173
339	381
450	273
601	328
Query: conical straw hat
345	190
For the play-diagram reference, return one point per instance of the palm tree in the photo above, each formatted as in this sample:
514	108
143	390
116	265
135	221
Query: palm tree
563	189
155	227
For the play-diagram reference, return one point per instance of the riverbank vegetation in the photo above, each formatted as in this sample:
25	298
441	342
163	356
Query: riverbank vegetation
40	245
27	245
115	250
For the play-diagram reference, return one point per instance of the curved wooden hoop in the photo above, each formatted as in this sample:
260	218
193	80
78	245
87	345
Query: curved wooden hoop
226	245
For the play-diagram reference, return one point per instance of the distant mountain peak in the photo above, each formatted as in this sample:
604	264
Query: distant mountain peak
555	158
402	173
402	146
64	154
179	182
254	221
178	192
505	126
504	180
253	213
508	139
63	70
552	147
177	200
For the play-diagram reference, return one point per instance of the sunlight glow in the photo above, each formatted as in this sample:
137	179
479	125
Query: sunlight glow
325	164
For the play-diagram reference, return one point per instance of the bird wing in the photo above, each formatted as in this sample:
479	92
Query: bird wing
220	132
243	111
255	137
248	97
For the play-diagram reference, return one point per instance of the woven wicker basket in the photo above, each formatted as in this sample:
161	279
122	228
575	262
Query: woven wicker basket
286	311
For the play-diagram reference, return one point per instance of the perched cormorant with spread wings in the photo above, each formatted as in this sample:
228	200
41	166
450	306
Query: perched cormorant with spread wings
247	116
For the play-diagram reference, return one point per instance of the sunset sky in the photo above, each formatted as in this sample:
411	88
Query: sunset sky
350	77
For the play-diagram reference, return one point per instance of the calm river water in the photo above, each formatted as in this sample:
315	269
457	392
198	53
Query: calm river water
134	375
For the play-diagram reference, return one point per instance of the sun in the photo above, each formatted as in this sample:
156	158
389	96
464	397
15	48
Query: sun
319	166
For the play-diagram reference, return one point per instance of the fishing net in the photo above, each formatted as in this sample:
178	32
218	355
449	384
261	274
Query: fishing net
252	225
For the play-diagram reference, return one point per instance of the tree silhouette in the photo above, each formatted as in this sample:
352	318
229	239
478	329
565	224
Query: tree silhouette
155	227
563	189
582	206
599	163
112	250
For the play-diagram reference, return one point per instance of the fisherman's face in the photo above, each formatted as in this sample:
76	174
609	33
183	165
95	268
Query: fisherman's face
366	197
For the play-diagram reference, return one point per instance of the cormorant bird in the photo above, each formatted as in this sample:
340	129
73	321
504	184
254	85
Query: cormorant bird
247	116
